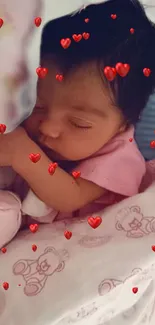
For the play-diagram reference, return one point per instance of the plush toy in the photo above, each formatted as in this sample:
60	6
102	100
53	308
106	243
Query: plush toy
20	35
17	98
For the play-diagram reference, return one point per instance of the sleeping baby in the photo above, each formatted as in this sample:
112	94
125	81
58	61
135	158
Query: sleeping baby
76	152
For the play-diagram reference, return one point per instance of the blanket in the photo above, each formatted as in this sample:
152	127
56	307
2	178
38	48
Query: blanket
102	276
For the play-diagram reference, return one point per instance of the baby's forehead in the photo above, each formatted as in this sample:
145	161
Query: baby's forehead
78	78
82	86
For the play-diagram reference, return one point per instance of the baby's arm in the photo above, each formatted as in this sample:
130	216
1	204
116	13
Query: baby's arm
60	190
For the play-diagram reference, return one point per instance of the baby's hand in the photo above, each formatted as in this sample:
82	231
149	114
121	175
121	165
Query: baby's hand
11	144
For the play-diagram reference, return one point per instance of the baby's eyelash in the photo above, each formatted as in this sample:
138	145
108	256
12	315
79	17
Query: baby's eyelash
80	127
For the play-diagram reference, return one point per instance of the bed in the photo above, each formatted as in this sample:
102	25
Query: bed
100	276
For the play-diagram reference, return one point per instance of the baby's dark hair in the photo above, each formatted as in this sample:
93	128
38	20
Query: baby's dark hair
110	42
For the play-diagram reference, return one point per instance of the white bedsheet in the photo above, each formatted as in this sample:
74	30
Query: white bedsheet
89	278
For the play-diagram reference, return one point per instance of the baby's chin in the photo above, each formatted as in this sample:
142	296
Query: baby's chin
54	155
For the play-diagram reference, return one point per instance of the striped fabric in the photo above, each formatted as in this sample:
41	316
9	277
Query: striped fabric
145	129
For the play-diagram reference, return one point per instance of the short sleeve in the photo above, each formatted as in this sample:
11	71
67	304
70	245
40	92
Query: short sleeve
120	169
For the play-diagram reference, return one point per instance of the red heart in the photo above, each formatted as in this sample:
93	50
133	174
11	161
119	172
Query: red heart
131	139
34	227
2	128
5	285
122	69
86	20
65	42
76	174
77	38
113	16
135	290
1	22
146	72
132	30
52	167
86	35
34	247
68	234
38	21
94	222
55	165
59	77
3	250
152	144
41	72
110	73
34	157
153	248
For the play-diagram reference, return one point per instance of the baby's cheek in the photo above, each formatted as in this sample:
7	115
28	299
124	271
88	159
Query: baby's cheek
31	125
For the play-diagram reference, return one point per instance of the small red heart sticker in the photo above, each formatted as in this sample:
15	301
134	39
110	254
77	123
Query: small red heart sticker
152	144
52	167
2	128
34	157
34	247
94	222
132	30
5	285
65	42
76	174
3	250
86	35
110	73
34	227
77	38
131	139
55	165
135	290
38	21
59	77
1	22
153	248
41	72
68	234
113	16
122	69
146	72
86	20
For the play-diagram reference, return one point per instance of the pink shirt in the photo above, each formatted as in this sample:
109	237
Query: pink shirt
118	167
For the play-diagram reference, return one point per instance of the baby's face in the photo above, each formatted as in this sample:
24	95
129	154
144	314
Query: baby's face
73	118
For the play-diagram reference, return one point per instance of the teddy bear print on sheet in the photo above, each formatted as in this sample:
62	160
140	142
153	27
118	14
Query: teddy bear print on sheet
139	278
36	272
108	310
133	223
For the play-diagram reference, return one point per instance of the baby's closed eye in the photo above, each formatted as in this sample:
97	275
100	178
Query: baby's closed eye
80	123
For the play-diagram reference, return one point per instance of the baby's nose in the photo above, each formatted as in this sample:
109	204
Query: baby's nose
51	129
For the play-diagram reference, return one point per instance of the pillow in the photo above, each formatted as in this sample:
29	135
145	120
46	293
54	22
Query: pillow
145	130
